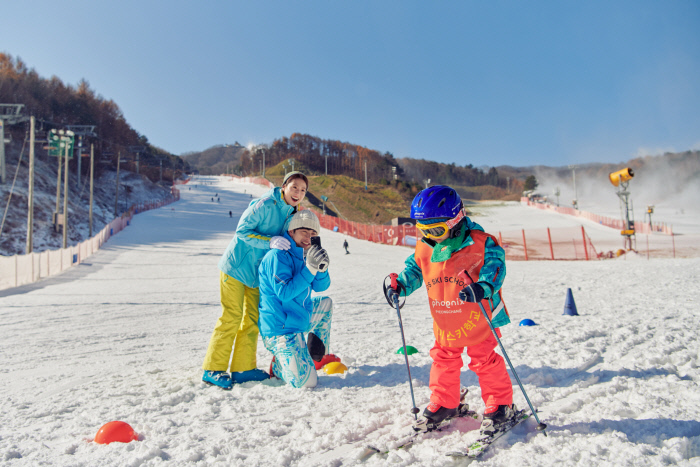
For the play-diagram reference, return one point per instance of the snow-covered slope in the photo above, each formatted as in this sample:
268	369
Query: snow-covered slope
122	337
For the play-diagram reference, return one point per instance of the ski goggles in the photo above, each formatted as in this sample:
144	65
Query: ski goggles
440	230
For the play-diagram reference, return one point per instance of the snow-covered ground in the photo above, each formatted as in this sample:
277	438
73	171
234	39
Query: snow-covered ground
122	337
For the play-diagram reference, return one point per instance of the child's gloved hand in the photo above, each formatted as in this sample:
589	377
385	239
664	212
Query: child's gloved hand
390	292
472	293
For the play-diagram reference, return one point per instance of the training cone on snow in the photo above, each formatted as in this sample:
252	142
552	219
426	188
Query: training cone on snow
120	432
410	350
333	368
527	322
570	305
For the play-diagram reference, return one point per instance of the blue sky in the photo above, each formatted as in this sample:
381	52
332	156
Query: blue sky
469	82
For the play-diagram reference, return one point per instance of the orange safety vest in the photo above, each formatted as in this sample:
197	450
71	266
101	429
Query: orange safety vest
455	323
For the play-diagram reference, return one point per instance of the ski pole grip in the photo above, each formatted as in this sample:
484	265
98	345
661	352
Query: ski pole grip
465	277
394	281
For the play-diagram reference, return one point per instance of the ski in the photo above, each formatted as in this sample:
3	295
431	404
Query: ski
415	436
482	444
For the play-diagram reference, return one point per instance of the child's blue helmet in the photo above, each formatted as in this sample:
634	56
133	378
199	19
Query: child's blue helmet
436	202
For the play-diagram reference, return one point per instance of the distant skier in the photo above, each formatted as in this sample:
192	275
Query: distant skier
345	245
287	279
230	214
259	229
452	244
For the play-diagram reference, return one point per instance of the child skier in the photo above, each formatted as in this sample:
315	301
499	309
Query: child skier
453	244
287	278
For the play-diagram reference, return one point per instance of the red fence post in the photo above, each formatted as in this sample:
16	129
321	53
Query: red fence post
551	250
585	247
525	245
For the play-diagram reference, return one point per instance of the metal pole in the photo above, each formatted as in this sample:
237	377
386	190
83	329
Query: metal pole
263	167
65	199
405	354
92	177
541	426
30	198
467	280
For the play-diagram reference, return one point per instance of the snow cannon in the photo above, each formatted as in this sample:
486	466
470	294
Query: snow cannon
570	305
335	368
527	322
410	350
120	432
621	176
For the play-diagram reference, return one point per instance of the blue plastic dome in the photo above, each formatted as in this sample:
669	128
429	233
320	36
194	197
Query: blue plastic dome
528	322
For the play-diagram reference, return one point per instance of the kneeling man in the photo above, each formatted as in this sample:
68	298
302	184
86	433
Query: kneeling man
288	314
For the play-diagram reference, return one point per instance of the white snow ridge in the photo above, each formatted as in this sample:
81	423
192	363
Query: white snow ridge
123	336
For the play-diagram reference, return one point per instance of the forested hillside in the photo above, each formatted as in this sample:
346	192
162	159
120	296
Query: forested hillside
321	156
57	105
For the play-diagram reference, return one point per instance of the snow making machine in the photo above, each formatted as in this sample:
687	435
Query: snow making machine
621	180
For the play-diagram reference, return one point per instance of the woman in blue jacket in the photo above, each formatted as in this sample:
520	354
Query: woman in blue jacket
287	310
259	229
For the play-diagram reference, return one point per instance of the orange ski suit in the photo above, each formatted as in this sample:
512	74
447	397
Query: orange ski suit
458	324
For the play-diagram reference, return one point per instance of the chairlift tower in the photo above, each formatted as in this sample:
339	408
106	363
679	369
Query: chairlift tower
137	150
10	114
621	180
80	131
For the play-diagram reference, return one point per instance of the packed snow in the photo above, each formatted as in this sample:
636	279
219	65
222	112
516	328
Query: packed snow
123	335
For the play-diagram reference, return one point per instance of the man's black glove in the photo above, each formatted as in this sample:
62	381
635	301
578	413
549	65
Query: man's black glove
472	293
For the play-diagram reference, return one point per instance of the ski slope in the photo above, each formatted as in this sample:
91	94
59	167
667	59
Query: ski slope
122	337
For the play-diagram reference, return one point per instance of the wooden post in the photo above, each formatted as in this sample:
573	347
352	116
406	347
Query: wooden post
116	195
525	245
92	176
673	240
65	200
647	246
551	250
585	247
30	197
58	190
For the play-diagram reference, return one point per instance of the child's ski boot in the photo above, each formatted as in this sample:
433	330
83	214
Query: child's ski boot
496	418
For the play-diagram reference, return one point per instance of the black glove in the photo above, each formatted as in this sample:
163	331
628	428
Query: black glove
472	293
389	292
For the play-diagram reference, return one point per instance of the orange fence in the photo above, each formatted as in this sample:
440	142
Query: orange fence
567	243
25	269
639	227
536	244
